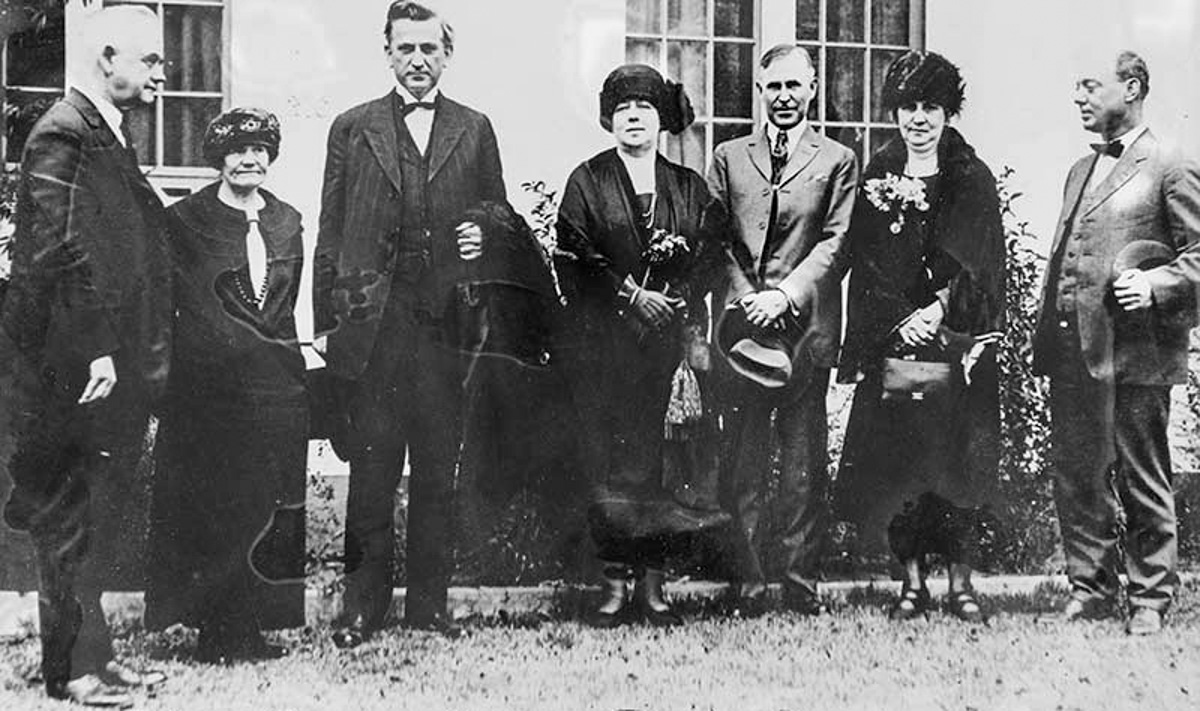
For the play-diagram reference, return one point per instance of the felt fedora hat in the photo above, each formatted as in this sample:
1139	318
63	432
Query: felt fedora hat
771	357
1142	254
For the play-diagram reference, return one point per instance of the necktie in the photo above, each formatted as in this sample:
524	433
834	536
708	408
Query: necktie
1112	148
779	156
413	106
128	136
256	257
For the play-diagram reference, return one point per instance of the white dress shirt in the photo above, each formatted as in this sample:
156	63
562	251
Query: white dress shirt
108	111
793	135
1105	163
420	121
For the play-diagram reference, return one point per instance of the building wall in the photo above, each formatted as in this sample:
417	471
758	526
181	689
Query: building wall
1019	59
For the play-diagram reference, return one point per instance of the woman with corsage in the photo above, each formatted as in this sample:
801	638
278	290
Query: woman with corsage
926	307
635	229
227	521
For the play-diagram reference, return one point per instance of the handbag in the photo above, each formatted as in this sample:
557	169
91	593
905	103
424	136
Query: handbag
905	379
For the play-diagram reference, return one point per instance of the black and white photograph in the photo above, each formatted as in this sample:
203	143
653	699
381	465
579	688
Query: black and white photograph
600	355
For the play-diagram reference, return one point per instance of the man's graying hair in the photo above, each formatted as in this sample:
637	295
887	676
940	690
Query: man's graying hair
1130	65
415	11
780	51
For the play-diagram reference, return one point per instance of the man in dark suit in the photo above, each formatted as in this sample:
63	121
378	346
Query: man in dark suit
789	192
1112	334
89	309
401	173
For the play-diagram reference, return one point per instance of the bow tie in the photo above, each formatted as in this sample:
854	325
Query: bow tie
1113	148
408	108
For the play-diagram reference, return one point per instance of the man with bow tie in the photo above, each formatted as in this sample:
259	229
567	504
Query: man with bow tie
401	172
1112	333
789	192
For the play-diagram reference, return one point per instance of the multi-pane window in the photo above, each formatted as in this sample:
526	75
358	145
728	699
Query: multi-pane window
167	134
32	68
852	42
709	47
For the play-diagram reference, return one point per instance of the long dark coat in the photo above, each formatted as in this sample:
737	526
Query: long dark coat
897	449
227	520
620	378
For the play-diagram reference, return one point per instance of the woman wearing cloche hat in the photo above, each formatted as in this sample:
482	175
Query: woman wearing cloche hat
638	227
227	516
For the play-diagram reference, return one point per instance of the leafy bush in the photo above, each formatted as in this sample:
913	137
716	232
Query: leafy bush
1024	407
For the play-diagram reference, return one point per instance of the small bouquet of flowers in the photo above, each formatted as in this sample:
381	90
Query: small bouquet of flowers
665	252
895	195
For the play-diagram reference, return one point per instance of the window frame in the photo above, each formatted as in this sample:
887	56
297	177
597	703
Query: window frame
664	37
821	46
174	180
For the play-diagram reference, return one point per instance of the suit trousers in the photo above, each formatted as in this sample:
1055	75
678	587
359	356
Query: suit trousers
1110	454
801	429
407	401
63	453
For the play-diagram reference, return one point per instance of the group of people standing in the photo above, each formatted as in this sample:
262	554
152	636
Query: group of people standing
120	308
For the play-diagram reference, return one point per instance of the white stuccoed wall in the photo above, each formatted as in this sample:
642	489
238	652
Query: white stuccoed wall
1018	59
534	66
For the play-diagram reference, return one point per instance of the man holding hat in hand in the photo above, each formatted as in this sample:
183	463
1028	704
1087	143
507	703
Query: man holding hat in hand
1112	334
789	192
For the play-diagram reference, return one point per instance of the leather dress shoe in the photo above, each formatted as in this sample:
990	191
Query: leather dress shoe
119	675
803	602
609	620
351	635
1144	621
89	690
1079	609
661	618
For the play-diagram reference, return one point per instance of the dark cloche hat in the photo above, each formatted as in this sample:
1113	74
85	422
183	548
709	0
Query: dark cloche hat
638	81
923	76
240	127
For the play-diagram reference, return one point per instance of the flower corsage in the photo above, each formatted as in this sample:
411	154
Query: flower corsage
896	195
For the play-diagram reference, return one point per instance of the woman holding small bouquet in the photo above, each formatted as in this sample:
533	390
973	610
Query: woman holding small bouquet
636	230
926	305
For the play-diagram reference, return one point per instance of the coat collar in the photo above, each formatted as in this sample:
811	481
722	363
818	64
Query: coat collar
760	154
380	132
91	115
1127	166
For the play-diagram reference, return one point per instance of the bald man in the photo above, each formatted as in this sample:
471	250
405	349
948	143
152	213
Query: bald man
89	310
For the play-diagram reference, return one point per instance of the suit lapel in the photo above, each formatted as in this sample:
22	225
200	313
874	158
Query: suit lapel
125	158
380	133
802	156
1076	181
1127	167
447	129
760	154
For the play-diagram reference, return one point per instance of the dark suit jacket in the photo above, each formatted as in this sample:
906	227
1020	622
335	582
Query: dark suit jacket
816	198
91	272
361	216
1153	193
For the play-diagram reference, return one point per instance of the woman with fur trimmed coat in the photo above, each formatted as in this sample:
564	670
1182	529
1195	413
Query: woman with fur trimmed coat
926	305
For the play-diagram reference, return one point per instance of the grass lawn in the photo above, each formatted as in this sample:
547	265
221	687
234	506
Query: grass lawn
853	658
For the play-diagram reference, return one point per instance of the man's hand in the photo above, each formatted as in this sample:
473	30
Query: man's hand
1132	290
763	308
102	377
922	326
470	240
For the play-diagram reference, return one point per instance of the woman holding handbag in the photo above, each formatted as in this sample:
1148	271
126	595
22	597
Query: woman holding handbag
635	229
926	305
